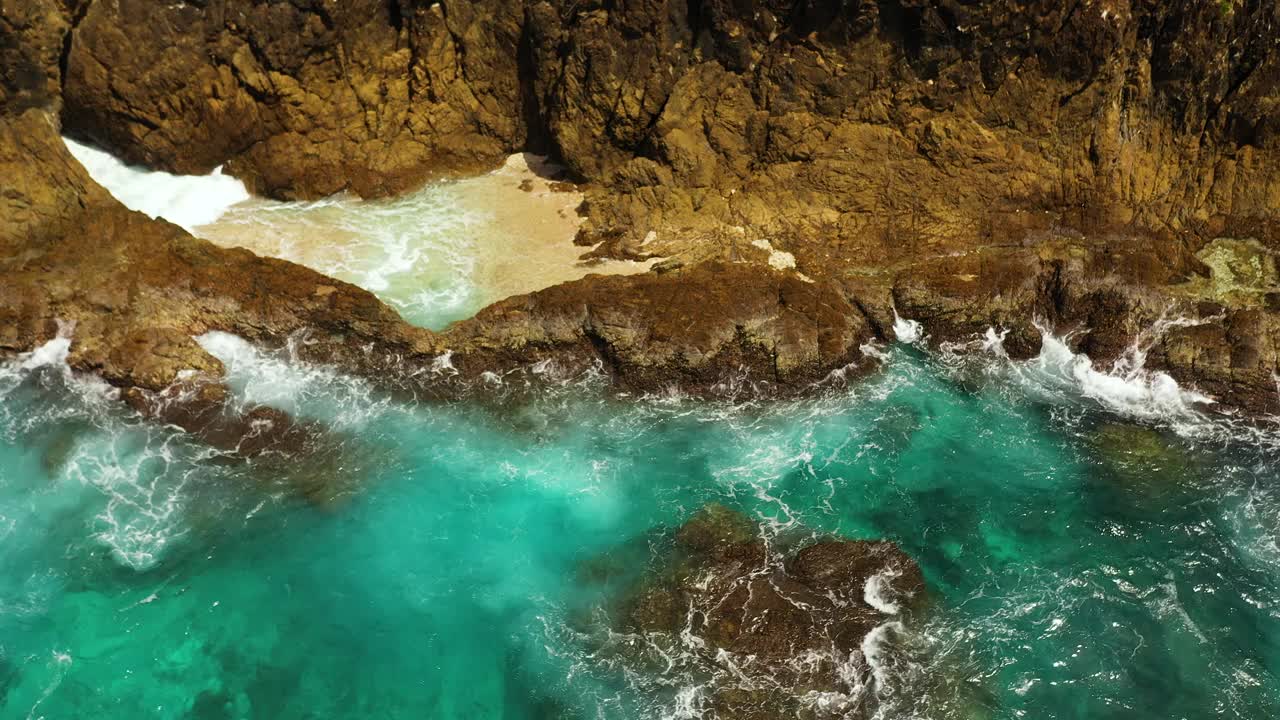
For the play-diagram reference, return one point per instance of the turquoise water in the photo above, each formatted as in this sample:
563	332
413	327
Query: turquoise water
427	561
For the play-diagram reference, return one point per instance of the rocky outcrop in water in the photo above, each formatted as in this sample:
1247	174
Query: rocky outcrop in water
1094	165
702	330
769	634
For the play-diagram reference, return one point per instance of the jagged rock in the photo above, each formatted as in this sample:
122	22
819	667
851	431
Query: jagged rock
301	99
134	292
31	45
202	407
967	165
695	329
769	628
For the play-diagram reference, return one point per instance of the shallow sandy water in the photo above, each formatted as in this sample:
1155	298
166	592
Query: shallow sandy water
438	254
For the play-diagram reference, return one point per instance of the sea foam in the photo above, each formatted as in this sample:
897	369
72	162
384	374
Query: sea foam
186	200
1127	388
907	331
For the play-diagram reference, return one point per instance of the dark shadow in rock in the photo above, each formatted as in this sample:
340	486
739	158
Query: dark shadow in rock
273	690
210	705
893	430
326	470
547	169
9	675
60	444
527	698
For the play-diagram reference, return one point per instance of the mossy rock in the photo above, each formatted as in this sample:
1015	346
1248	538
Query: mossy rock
1139	455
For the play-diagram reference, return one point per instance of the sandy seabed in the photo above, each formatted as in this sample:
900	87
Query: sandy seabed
473	241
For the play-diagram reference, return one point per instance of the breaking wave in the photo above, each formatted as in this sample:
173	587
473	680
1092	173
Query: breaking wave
186	200
1064	378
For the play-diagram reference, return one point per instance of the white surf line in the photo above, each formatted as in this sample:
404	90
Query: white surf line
1127	388
908	332
185	200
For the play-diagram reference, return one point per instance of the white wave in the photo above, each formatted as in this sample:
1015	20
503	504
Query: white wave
1059	374
131	467
688	704
1129	390
51	354
282	381
907	331
186	200
89	389
145	488
876	647
873	350
443	364
1062	377
877	590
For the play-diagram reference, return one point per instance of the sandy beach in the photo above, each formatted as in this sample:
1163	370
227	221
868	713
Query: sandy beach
459	244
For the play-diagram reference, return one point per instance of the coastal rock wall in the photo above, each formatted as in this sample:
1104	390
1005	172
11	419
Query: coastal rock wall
783	116
31	48
300	99
902	126
132	292
1096	166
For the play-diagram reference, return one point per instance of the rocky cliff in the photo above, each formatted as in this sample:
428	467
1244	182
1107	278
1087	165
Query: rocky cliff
805	168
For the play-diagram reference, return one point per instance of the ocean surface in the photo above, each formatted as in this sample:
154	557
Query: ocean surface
1094	547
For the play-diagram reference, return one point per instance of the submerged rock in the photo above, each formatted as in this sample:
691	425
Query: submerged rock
9	676
1140	456
769	631
60	447
298	456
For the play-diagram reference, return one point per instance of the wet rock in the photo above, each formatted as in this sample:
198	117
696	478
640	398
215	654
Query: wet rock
771	628
60	447
716	328
204	409
876	570
717	533
9	676
133	291
299	100
210	705
31	37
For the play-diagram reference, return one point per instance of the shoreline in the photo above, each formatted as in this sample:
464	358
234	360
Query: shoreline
796	218
449	248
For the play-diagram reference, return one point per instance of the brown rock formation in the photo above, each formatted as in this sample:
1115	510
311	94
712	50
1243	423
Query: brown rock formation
977	164
137	290
31	46
969	164
769	630
697	330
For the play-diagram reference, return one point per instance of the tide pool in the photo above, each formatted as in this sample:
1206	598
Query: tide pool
431	560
